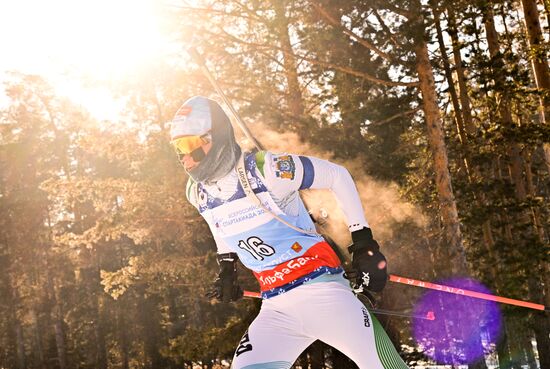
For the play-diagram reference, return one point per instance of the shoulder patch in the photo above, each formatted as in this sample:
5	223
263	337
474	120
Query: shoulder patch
283	166
260	161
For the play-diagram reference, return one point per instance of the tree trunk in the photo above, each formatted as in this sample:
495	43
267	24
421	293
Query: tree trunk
99	327
546	4
540	322
295	99
539	63
503	346
60	342
15	350
470	128
436	138
529	351
516	334
449	213
461	130
101	352
148	316
123	334
38	348
20	345
505	113
462	133
122	325
539	59
460	73
486	227
480	363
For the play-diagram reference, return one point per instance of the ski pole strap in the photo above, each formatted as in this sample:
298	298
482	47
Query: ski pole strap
228	256
463	292
249	192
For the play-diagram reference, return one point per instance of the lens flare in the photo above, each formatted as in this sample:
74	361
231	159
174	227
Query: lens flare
465	329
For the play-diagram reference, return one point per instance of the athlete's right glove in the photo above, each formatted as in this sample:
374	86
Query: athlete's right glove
226	287
368	261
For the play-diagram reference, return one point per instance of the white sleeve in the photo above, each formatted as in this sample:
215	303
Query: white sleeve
221	245
286	174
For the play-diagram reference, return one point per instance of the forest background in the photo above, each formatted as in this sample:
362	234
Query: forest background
440	109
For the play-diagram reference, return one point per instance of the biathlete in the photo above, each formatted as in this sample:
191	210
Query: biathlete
305	295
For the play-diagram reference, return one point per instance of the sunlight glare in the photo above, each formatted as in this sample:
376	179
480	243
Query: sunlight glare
101	38
113	36
83	47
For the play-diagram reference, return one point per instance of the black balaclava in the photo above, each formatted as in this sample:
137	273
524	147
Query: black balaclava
223	154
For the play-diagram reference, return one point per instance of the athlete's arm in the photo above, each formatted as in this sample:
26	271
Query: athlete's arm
286	174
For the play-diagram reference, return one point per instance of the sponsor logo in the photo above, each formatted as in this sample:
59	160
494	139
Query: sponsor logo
296	247
289	267
242	179
434	286
280	259
295	266
284	167
224	221
366	317
202	200
244	345
366	279
183	111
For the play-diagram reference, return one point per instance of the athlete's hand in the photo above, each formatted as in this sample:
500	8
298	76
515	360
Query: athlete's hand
224	291
226	287
367	260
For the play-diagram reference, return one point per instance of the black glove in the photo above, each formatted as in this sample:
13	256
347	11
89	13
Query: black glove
368	261
226	287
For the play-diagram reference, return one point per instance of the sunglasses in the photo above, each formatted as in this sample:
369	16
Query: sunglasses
191	145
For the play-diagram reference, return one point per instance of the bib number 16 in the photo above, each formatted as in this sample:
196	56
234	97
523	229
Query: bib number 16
256	247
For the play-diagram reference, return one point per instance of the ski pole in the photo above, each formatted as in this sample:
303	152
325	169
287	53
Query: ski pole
463	292
429	316
198	58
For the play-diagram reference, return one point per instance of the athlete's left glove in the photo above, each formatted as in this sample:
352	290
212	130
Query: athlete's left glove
368	262
226	287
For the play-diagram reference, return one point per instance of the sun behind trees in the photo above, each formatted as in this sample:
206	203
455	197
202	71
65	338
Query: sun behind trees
104	263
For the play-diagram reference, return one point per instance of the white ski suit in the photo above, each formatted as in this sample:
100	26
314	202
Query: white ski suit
305	296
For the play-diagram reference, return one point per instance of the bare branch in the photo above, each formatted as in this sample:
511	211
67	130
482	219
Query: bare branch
210	11
249	12
340	68
402	12
258	47
336	23
366	76
386	29
395	116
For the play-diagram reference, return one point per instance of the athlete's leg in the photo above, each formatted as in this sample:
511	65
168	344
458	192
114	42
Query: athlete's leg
344	323
274	340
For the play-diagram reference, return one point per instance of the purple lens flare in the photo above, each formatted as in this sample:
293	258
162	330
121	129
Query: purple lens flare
465	329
